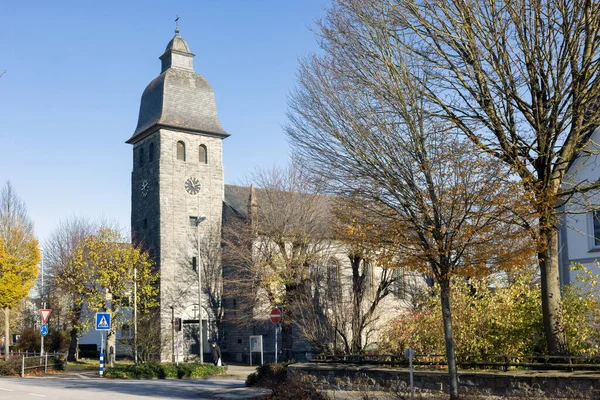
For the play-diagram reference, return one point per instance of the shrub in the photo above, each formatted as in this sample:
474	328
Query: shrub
274	377
268	375
163	371
489	317
11	367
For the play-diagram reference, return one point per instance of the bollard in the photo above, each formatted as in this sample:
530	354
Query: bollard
23	367
101	363
46	364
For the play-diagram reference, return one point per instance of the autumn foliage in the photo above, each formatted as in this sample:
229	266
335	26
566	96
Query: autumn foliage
491	317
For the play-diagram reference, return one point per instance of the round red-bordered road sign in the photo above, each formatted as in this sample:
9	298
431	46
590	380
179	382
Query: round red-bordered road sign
275	315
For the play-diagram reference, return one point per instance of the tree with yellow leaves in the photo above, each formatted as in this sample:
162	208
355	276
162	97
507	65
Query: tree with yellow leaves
19	255
109	261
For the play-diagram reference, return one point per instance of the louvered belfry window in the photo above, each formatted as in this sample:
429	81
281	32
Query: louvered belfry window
181	150
202	154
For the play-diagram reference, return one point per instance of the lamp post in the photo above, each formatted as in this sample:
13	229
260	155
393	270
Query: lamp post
135	349
199	219
43	302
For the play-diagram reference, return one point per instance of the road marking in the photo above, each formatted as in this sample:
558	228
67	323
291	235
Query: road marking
35	394
7	390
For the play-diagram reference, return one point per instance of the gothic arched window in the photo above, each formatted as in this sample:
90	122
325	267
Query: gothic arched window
151	153
202	154
181	150
141	159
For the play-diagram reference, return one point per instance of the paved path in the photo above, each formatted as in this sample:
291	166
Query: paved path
87	385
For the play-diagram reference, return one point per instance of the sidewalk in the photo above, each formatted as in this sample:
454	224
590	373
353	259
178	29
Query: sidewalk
238	372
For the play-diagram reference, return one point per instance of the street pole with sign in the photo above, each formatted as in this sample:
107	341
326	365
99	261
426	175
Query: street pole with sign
275	317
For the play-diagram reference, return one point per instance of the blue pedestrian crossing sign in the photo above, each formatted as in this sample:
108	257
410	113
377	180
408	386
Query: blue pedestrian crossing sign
44	330
102	321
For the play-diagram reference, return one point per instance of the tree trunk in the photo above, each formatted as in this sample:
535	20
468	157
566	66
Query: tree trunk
73	355
6	333
287	340
449	337
358	291
550	282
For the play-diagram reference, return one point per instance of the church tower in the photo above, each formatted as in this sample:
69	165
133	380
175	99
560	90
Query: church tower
177	188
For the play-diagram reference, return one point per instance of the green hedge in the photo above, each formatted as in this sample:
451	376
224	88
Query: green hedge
163	371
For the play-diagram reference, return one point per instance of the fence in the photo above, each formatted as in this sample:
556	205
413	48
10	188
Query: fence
32	362
472	361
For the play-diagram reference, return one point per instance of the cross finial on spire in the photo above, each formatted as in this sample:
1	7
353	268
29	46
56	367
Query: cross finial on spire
177	24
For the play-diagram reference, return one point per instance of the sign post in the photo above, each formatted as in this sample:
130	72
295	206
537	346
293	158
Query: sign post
44	313
256	346
102	325
410	353
275	318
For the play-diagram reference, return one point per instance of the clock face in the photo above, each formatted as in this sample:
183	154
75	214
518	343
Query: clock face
192	185
145	188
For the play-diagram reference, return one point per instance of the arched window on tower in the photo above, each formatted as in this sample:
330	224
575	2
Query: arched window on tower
141	159
181	150
202	154
151	153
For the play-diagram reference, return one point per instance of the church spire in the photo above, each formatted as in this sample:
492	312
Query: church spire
177	54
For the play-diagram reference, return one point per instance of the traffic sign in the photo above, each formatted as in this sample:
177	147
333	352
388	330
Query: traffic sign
45	314
102	321
44	330
275	315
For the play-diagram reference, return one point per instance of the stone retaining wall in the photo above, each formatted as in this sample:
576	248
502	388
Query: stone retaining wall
527	384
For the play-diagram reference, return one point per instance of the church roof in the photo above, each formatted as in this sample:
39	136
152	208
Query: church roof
236	198
178	44
179	98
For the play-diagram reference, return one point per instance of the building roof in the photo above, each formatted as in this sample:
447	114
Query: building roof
178	44
236	198
178	98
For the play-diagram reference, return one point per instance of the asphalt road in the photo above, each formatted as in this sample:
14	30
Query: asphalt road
51	388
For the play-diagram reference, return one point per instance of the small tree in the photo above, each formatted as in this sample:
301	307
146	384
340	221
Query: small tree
112	260
19	255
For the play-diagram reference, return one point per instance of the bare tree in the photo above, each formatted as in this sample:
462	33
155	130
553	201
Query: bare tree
65	278
432	196
518	78
285	233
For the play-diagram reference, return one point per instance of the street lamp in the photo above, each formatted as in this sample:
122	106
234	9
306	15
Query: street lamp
199	219
43	302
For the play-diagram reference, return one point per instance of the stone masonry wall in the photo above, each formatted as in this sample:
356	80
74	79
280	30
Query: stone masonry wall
526	384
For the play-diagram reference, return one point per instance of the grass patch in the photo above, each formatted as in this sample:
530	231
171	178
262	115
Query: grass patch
92	364
163	371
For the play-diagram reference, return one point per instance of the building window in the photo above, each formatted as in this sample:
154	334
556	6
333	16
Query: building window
333	279
596	228
399	283
141	157
202	154
193	221
194	264
181	150
151	153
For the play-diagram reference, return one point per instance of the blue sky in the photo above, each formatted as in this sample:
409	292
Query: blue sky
75	72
